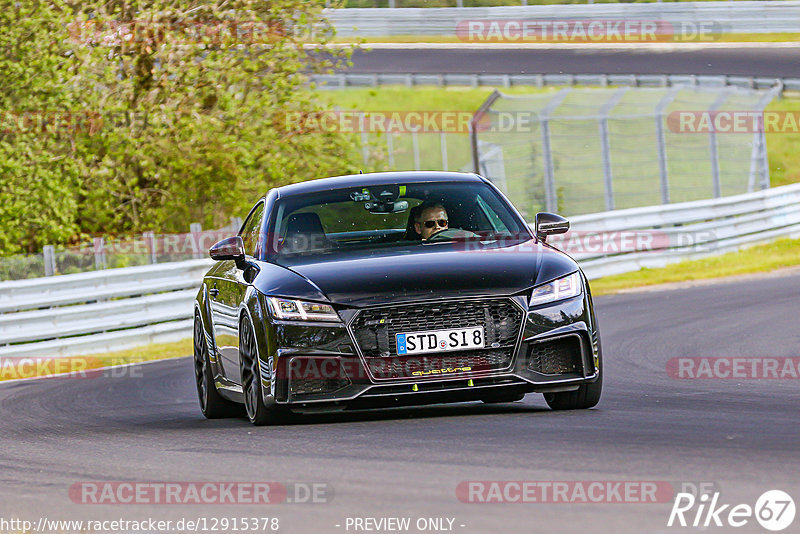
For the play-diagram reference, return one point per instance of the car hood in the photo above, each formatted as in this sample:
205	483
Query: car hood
362	278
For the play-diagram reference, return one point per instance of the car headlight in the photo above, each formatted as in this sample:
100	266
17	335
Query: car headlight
561	288
300	310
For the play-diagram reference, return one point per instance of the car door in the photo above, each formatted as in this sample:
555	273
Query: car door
227	290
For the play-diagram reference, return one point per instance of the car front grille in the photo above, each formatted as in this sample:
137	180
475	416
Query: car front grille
375	330
556	356
431	365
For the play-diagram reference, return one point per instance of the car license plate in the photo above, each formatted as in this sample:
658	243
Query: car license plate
440	340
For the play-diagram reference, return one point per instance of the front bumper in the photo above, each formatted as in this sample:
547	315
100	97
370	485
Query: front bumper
320	368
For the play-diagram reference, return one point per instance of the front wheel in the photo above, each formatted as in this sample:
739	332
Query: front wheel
586	396
212	404
257	412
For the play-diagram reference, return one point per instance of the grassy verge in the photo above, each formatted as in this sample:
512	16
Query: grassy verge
757	259
81	366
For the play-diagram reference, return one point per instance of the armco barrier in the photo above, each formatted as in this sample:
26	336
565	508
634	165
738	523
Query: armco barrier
725	17
120	308
98	311
691	230
342	80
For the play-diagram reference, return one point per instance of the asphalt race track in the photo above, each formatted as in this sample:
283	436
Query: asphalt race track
779	62
741	435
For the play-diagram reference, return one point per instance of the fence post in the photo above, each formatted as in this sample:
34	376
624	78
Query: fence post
713	147
550	197
755	167
764	160
99	253
661	142
605	144
550	193
759	161
49	255
474	124
150	237
196	229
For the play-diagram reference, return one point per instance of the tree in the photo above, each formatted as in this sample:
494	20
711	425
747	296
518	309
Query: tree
155	114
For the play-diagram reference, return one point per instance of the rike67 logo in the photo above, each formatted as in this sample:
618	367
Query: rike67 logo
774	510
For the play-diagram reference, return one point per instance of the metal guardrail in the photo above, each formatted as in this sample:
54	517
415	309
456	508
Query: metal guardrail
98	311
768	16
345	79
684	231
120	308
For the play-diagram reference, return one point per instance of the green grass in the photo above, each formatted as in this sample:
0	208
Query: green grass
11	370
760	258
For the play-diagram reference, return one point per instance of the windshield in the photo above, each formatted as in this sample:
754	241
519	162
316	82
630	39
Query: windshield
386	216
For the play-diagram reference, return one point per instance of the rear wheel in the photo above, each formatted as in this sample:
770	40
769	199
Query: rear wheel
257	411
212	404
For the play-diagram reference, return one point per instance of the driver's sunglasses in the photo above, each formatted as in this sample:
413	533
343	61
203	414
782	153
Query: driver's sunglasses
442	223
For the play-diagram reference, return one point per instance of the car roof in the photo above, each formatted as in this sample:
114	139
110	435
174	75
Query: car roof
374	178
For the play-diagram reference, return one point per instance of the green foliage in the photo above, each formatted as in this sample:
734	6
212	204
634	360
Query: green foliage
125	116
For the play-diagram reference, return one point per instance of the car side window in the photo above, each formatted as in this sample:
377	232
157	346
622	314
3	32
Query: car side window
251	230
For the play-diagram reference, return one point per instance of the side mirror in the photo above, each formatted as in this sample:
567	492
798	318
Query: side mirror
550	224
230	248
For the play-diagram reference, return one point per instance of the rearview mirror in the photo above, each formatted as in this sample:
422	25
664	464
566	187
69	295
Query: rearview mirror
230	248
550	224
382	208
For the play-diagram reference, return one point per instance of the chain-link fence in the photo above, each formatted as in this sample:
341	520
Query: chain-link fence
114	252
590	150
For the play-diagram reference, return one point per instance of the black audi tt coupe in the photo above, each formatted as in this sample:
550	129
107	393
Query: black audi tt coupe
387	289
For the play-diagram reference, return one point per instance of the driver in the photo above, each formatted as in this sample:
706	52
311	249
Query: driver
431	218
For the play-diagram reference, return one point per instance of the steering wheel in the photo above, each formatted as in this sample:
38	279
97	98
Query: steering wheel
448	234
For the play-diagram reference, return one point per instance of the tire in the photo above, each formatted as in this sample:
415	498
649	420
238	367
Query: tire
212	404
497	399
257	412
586	396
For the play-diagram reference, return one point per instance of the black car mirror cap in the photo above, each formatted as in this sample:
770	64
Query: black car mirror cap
230	248
550	224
